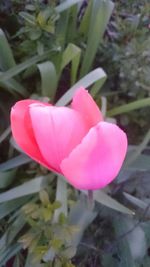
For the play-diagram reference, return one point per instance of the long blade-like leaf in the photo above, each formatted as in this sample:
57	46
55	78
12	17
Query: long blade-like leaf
22	66
133	156
10	206
4	135
108	201
48	79
100	15
67	4
88	80
14	87
69	54
14	162
6	56
31	187
142	103
6	178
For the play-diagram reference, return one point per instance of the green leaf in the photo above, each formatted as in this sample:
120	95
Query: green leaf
28	17
122	226
142	103
28	63
121	255
103	105
86	81
49	256
96	87
35	34
74	68
69	253
10	206
100	15
14	87
48	79
61	196
30	261
6	56
16	262
61	29
30	7
31	187
6	178
146	228
9	253
15	162
109	202
142	163
44	197
133	156
6	62
146	261
66	4
11	232
136	201
81	217
69	54
84	25
47	18
5	134
72	30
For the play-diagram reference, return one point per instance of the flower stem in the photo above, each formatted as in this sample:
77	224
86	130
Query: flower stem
90	200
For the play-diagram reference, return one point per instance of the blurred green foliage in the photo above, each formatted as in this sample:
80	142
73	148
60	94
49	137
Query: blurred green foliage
127	63
127	60
46	239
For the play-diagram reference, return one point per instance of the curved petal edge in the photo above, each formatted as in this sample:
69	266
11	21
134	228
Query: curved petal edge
97	160
86	106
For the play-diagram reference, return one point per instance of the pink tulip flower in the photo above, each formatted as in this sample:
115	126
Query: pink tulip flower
74	141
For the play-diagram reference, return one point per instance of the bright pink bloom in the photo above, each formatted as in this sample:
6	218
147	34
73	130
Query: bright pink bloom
74	142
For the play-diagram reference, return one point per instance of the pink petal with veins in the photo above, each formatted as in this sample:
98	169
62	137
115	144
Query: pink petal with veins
57	131
97	160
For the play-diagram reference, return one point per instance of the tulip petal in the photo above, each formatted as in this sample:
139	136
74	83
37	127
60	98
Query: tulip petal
22	130
86	106
57	131
97	160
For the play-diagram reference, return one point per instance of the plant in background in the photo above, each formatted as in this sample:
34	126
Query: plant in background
47	239
58	28
128	51
53	38
127	63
